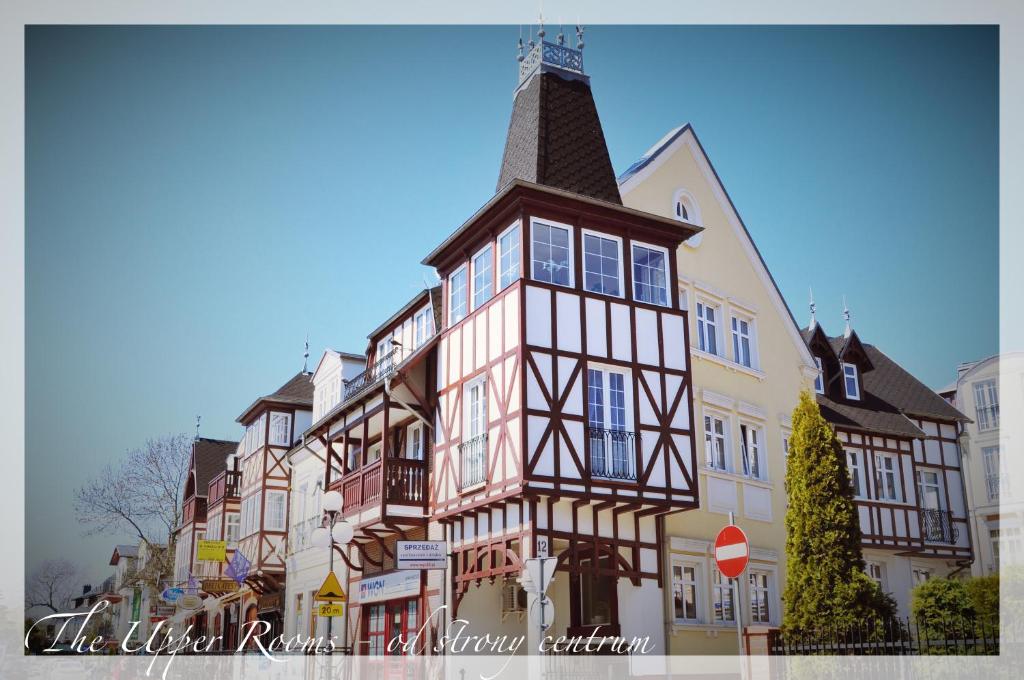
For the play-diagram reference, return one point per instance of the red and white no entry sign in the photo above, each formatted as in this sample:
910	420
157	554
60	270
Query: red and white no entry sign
731	551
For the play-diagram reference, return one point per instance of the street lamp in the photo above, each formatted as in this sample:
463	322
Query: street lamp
338	532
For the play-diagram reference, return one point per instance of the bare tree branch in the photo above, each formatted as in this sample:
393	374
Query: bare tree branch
142	495
52	585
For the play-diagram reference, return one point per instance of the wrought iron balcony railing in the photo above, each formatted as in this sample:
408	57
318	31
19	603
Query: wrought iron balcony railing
938	526
562	56
473	457
383	368
612	453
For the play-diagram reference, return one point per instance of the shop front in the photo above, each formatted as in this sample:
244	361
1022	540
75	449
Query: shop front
390	612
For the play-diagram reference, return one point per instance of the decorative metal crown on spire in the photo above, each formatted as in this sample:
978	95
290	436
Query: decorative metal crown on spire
198	418
305	356
846	316
542	55
814	308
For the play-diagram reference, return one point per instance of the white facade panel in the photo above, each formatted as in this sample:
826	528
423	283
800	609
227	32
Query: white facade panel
597	336
538	317
568	320
622	333
647	337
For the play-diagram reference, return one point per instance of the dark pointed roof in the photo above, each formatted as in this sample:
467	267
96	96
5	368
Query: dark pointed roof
555	138
208	461
298	391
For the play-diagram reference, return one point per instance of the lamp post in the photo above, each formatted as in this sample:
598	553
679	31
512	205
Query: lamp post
338	532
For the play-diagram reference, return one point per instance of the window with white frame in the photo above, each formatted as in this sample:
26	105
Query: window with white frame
854	467
707	327
886	485
551	254
611	443
850	381
483	277
213	530
457	296
716	442
650	274
231	526
508	257
742	341
986	405
786	434
753	455
423	323
721	598
250	515
876	572
685	586
921	575
384	347
819	380
276	510
995	479
929	490
602	264
414	447
473	449
280	429
760	611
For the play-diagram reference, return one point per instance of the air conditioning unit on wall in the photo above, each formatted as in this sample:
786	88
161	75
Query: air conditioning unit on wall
513	600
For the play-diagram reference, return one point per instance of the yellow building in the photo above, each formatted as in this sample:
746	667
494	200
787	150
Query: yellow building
749	365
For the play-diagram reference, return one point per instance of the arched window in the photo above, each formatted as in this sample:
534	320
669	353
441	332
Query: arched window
685	209
681	212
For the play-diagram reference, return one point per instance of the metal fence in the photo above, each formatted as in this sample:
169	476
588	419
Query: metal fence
894	637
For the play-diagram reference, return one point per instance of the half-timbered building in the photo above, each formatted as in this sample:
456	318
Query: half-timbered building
903	455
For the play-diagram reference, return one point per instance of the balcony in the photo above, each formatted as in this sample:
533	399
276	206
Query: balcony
383	368
473	461
194	510
937	526
385	481
612	454
224	486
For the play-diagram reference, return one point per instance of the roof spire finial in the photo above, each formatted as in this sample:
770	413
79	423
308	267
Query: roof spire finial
579	37
198	418
305	356
846	316
814	308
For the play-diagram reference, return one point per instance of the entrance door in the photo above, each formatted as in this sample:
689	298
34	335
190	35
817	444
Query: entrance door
389	625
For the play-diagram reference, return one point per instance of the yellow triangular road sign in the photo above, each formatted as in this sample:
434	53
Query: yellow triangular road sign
331	590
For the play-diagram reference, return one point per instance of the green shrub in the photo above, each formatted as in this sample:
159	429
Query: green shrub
983	593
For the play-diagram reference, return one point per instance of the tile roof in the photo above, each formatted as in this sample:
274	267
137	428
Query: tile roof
297	391
209	456
555	139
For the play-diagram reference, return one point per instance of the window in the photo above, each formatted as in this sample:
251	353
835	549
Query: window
650	275
819	380
1011	542
753	457
785	441
928	490
483	277
759	610
877	574
231	528
885	478
280	429
457	297
508	257
741	341
684	592
995	480
993	536
424	325
597	593
414	447
850	381
921	575
715	443
373	453
853	466
276	510
986	405
375	626
681	211
473	449
611	446
551	253
384	348
213	530
601	265
250	515
722	598
707	328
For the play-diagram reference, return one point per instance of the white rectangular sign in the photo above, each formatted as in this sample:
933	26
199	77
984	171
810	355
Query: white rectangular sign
397	584
421	554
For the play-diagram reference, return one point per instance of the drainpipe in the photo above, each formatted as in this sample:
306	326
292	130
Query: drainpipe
668	616
964	449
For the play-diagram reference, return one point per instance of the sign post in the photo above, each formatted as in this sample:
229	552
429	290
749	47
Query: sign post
732	552
536	579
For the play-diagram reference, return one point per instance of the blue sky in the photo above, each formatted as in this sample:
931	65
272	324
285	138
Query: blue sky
198	199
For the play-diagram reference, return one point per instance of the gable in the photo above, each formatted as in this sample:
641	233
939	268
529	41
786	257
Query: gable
726	251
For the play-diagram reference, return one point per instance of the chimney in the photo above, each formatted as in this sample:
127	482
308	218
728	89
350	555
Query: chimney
555	136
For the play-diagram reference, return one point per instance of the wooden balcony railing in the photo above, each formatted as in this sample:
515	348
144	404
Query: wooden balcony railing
225	485
392	480
194	510
406	481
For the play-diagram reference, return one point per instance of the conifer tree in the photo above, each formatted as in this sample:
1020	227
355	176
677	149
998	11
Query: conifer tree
825	580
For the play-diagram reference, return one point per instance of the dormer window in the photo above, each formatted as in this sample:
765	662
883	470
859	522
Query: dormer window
850	381
819	380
